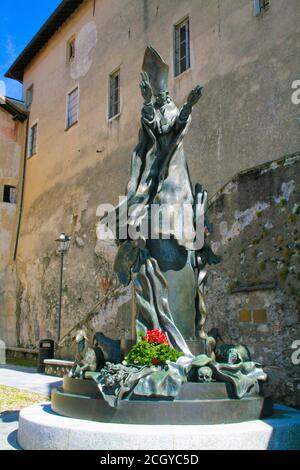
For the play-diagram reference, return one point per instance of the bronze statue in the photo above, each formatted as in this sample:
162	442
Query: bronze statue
165	265
166	269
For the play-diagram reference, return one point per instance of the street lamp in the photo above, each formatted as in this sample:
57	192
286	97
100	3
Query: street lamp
63	242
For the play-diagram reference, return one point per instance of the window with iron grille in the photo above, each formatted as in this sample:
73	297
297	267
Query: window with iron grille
33	140
72	107
9	194
114	94
260	5
182	59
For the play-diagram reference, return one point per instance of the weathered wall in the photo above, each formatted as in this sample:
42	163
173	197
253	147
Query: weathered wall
254	295
10	151
246	117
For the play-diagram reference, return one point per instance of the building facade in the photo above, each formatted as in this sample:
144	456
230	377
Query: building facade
81	84
12	135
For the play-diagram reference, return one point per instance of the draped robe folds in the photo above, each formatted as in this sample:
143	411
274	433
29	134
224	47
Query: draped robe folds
162	270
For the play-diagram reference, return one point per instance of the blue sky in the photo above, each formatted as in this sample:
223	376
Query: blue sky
19	21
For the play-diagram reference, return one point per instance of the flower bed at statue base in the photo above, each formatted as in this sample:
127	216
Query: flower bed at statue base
152	349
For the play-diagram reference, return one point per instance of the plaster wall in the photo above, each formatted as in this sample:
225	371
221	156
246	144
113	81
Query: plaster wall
11	135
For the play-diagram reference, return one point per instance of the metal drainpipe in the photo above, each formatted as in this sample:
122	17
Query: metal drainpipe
22	190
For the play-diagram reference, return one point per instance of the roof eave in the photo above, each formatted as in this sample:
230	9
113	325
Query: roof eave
15	112
58	17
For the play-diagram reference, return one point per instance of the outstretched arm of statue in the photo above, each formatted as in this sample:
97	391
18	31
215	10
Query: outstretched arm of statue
192	99
148	112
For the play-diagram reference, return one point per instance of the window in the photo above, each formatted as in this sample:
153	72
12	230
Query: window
260	5
114	94
9	194
29	96
72	108
33	140
71	49
182	59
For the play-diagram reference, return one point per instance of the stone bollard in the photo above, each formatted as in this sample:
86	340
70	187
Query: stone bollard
2	352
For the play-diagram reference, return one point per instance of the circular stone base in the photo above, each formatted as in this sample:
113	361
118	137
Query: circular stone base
42	429
196	403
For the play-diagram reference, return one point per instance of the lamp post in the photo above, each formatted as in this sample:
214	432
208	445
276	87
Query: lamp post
63	242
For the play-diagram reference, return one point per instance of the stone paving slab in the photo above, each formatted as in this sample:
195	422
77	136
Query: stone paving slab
25	378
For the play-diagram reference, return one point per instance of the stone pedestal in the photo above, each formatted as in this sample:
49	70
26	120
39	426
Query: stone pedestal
42	429
196	403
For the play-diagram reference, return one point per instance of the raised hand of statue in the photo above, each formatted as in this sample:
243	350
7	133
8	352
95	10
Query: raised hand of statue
194	95
145	87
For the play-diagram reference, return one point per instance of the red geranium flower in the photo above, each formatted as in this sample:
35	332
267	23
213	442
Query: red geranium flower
156	337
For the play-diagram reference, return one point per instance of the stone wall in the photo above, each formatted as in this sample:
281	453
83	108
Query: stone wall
254	293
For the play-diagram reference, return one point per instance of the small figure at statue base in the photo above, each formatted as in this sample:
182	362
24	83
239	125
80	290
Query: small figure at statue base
88	359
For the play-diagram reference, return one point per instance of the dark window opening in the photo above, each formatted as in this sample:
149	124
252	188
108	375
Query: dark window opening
9	194
71	49
33	140
182	59
29	96
114	94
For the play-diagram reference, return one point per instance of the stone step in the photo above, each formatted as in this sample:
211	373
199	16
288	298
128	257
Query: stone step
165	412
41	429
